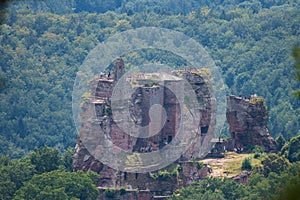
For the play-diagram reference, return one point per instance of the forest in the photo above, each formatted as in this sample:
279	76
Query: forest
44	43
43	46
47	174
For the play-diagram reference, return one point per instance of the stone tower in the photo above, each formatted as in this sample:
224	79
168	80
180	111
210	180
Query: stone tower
248	119
150	89
118	69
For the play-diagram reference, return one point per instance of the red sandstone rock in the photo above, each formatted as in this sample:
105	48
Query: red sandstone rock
248	123
96	114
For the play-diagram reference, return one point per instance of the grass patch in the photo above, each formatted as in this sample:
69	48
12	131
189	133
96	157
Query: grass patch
231	164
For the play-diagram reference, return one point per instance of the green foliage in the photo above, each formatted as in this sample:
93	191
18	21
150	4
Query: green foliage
284	185
213	188
246	164
277	186
161	175
258	151
257	100
274	163
280	141
256	155
200	164
110	192
67	159
2	83
296	54
4	160
85	96
93	176
58	185
14	173
122	191
250	41
45	159
33	177
292	149
166	173
290	183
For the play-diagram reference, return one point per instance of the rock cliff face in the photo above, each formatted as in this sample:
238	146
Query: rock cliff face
96	112
248	120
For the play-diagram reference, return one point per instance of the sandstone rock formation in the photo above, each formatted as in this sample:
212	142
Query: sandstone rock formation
248	120
152	128
149	90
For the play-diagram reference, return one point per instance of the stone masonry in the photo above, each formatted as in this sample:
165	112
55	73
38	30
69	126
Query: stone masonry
247	119
146	94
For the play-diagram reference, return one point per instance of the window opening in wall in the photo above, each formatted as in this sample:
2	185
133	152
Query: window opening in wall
170	138
204	129
125	176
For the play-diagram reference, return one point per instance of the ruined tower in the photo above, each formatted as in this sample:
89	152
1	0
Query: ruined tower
248	119
147	93
118	69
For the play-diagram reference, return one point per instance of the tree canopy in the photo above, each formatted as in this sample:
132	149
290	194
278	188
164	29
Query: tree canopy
59	185
43	47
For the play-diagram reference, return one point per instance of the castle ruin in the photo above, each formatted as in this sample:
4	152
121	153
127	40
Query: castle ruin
159	127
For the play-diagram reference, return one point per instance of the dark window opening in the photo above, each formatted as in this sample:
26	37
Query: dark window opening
204	129
125	176
170	138
136	175
233	135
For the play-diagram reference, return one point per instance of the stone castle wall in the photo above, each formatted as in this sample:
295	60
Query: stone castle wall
247	120
96	113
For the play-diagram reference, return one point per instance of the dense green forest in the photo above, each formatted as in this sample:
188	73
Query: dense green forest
47	174
43	46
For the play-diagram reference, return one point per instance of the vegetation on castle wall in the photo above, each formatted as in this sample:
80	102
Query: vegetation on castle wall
257	100
200	165
169	172
110	192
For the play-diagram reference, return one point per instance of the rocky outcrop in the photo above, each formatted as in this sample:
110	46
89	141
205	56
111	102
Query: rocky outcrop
248	120
242	178
96	113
